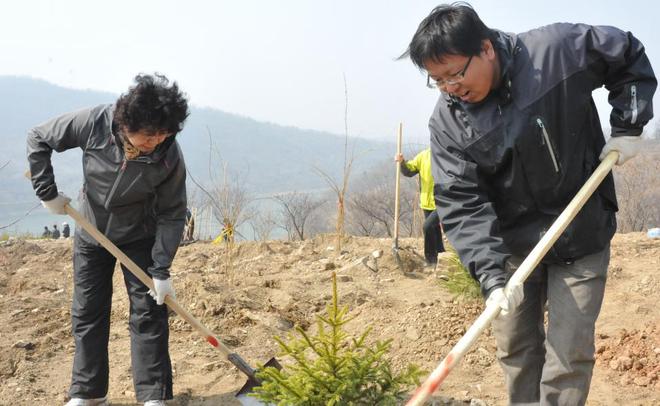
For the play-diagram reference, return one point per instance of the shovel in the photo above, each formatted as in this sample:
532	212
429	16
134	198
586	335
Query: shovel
231	356
542	247
395	242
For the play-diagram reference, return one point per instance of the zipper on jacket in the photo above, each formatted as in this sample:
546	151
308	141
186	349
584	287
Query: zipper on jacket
633	103
546	140
114	185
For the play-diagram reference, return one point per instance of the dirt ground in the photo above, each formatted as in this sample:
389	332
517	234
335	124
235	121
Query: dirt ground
274	285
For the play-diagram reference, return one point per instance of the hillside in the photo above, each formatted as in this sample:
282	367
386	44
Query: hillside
274	285
267	157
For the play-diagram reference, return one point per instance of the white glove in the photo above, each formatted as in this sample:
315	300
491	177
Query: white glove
508	302
162	287
627	146
56	205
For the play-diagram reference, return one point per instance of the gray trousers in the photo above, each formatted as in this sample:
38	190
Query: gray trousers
553	367
90	318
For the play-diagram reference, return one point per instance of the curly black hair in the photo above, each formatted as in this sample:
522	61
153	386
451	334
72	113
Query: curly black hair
152	105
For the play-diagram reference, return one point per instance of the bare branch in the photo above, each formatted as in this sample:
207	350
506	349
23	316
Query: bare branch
638	193
228	197
296	209
340	190
262	225
20	218
371	208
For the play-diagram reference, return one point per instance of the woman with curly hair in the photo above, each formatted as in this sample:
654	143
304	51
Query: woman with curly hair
134	192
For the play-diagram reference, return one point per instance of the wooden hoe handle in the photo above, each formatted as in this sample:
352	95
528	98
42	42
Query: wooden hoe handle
399	136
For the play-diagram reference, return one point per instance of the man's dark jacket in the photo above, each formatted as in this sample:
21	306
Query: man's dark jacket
127	200
510	164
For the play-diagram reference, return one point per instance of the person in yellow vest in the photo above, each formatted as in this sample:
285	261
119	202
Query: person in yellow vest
421	164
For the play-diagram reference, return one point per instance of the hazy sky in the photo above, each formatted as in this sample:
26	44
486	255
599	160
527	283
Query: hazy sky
277	61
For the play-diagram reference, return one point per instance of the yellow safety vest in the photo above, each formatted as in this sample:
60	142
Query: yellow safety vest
421	164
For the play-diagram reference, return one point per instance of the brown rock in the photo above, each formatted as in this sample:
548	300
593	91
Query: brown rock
625	380
607	355
26	345
625	362
642	381
412	334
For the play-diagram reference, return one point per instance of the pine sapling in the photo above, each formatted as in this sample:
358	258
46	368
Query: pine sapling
458	280
335	368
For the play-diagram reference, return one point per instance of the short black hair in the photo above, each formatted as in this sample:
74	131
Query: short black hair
152	105
450	29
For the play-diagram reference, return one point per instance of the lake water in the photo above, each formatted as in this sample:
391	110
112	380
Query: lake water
33	223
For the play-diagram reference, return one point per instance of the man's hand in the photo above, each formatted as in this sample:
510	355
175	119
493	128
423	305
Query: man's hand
507	302
162	288
627	146
56	205
398	158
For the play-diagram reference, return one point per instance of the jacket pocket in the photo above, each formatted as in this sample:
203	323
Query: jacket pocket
589	232
115	185
132	186
540	162
502	176
126	224
633	104
547	143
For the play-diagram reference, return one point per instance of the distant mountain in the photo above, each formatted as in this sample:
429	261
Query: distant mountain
267	157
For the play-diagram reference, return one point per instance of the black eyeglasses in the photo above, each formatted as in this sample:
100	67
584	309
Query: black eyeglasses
454	80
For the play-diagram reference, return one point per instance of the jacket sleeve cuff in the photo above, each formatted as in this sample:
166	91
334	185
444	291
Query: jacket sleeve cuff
159	273
490	282
626	132
52	194
405	171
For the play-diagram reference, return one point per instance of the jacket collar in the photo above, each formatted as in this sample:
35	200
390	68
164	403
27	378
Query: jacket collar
505	46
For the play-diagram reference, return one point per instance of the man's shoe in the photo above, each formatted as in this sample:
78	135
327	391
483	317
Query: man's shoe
154	403
88	402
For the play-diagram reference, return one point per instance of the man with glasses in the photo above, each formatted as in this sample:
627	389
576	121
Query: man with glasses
514	135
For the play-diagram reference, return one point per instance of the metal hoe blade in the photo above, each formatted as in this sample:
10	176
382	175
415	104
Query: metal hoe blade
243	394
